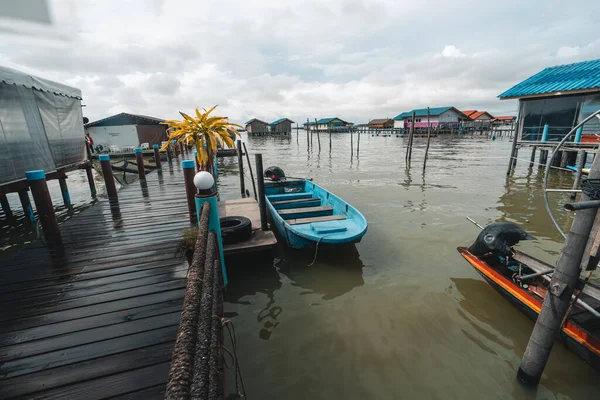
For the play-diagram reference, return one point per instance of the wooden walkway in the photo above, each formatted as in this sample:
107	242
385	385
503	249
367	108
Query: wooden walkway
100	320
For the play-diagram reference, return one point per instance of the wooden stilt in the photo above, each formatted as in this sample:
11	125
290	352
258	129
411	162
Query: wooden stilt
44	207
532	160
26	204
5	206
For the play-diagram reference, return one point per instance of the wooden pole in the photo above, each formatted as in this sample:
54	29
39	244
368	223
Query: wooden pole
261	192
44	207
357	142
410	136
64	191
26	204
139	158
319	137
157	156
241	168
513	154
428	138
5	206
109	182
169	154
308	133
581	159
351	141
563	159
90	178
297	133
251	173
189	171
532	160
565	280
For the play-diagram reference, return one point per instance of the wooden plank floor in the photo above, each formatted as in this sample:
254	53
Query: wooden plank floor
100	320
259	240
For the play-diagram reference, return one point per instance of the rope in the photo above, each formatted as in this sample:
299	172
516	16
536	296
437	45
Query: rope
227	323
316	251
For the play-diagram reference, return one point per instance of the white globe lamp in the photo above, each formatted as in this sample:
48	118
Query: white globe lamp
204	180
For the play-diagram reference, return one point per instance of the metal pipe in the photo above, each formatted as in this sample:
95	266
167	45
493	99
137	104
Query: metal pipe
582	205
529	276
475	223
546	174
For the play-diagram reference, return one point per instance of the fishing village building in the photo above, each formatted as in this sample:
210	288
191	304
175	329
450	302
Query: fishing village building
480	116
446	117
257	127
551	103
384	123
333	124
126	131
282	126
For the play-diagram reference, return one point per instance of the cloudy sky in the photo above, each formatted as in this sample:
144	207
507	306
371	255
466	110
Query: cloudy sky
356	59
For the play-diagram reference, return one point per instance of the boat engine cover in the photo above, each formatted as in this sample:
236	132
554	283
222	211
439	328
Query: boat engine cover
498	238
274	173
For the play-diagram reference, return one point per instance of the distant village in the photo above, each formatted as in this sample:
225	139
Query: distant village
437	118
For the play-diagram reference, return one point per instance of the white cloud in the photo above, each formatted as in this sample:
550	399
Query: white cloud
306	58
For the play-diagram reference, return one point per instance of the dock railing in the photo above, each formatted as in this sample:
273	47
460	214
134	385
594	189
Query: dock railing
196	370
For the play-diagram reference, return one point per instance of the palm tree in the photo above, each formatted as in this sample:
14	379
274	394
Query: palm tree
204	132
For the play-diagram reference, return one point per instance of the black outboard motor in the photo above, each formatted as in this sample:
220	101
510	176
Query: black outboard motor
275	173
498	238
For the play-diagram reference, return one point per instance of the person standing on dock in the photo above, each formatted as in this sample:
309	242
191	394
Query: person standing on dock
90	142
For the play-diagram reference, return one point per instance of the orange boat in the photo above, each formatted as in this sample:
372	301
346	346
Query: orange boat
524	280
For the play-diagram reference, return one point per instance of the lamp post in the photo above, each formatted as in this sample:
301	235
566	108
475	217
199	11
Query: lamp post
207	192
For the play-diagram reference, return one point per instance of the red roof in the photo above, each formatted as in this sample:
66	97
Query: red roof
469	112
505	117
478	114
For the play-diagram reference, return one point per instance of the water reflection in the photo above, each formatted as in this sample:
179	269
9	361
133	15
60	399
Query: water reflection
334	273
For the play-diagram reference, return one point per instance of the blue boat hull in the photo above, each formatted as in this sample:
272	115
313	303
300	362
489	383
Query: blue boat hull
332	220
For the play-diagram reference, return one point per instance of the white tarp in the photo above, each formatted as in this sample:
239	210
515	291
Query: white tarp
41	126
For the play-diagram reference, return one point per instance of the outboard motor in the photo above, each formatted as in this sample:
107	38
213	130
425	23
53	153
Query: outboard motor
275	173
498	238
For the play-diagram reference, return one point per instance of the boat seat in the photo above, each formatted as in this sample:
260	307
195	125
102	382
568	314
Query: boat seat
298	221
306	212
297	203
290	196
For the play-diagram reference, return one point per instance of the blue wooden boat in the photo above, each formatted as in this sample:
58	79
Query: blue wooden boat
306	214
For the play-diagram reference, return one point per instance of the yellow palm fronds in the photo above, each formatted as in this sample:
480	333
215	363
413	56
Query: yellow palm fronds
203	131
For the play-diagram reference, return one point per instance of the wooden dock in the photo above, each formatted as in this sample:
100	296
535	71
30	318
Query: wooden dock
99	320
260	240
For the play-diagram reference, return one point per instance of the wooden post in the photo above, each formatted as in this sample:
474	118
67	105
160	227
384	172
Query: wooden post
351	142
157	156
532	160
26	204
44	207
169	154
109	182
241	168
251	173
581	159
319	137
297	133
565	280
90	178
428	138
563	159
64	190
139	158
261	192
5	206
308	133
410	136
357	141
543	158
512	162
189	171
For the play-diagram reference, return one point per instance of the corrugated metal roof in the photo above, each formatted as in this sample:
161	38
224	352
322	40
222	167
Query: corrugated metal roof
280	120
505	117
561	78
125	119
13	77
478	114
328	120
422	112
257	120
469	112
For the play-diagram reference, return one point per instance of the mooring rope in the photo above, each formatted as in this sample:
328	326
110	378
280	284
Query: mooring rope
316	252
227	323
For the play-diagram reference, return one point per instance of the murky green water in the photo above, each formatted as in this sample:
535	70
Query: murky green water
405	316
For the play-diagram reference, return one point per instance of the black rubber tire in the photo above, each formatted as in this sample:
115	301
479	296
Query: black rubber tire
235	229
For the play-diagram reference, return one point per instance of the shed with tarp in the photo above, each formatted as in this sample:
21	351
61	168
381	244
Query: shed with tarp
41	125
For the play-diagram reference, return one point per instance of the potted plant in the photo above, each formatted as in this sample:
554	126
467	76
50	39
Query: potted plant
185	248
204	132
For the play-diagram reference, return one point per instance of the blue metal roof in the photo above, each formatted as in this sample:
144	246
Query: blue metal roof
561	78
328	120
422	112
280	120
